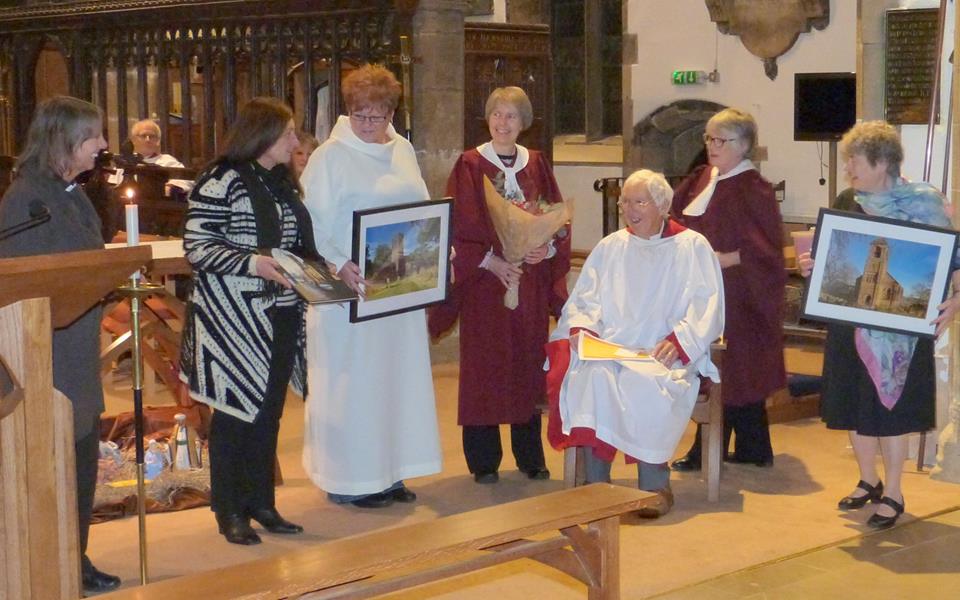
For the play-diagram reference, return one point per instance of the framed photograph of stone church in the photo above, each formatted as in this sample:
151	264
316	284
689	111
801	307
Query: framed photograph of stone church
878	273
403	252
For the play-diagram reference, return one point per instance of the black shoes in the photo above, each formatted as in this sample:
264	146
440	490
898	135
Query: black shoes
874	493
385	499
881	522
538	474
686	463
381	500
763	462
273	522
489	477
96	581
403	494
691	463
236	528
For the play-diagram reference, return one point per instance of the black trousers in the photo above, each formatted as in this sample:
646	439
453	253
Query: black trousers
482	449
752	428
87	451
243	455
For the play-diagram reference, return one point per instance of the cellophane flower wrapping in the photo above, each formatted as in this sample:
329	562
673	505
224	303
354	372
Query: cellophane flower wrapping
521	231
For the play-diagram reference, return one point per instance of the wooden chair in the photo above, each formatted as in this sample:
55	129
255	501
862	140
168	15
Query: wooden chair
707	412
382	561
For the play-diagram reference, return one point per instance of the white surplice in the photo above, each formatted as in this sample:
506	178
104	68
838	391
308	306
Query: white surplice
636	292
370	418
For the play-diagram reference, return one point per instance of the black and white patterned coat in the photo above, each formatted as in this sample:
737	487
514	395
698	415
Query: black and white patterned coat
226	341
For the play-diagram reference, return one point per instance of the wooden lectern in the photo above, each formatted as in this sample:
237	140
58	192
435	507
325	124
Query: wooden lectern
39	556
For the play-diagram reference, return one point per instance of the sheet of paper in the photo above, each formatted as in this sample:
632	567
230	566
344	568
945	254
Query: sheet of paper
593	348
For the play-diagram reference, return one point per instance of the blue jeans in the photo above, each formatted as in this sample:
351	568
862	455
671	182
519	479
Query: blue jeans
650	477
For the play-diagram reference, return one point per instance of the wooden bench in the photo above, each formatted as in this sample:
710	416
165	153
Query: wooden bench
360	566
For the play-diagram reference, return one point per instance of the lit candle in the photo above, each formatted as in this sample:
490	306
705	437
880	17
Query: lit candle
133	220
133	225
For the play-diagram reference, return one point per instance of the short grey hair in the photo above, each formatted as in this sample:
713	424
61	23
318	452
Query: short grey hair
655	184
144	124
740	123
513	96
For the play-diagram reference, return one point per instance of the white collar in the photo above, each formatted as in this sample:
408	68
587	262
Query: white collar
511	189
699	204
344	133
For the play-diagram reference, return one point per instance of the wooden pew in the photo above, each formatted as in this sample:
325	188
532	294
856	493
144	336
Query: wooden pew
367	565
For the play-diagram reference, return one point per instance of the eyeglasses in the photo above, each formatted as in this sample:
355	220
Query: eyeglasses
147	136
717	142
372	119
635	202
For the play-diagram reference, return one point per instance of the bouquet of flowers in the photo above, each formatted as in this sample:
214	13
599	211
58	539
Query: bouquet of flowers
521	231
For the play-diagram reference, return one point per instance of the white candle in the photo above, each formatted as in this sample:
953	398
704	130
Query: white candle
133	220
133	225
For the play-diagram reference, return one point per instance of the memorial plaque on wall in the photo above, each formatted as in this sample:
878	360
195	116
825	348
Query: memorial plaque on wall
910	64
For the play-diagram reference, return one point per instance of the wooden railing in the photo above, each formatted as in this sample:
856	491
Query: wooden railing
192	64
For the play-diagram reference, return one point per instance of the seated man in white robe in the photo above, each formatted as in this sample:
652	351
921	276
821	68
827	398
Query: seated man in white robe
145	138
653	287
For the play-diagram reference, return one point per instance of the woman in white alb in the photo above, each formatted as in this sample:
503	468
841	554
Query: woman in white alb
371	417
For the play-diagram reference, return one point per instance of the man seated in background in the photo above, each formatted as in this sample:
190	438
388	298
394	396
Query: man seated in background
655	288
145	137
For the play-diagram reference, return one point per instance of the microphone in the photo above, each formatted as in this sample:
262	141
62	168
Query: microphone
39	210
39	214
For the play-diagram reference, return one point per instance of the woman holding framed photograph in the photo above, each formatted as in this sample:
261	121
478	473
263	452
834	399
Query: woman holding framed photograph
877	385
371	416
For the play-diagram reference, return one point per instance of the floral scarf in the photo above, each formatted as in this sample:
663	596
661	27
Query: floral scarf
887	355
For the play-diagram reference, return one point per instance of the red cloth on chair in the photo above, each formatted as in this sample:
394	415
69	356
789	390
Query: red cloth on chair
558	353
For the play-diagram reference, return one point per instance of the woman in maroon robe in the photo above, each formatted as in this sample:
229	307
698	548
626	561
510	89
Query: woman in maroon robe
502	350
731	204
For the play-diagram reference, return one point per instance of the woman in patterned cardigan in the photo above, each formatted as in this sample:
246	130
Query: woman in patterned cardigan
243	340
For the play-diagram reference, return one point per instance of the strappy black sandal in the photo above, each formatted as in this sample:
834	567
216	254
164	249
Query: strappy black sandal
881	522
873	494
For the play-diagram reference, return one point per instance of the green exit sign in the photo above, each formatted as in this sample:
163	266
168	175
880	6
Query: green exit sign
689	77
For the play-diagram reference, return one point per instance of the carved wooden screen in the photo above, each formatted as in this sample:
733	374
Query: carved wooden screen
192	64
497	55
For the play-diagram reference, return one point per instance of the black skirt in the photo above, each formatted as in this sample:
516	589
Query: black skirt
849	399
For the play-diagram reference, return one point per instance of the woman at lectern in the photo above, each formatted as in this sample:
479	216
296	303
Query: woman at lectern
242	344
63	140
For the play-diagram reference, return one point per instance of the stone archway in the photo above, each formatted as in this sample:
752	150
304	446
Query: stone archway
670	139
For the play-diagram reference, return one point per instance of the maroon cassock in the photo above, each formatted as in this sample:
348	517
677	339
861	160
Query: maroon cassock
501	350
743	215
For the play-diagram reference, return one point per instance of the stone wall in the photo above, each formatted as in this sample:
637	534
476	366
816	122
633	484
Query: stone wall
438	89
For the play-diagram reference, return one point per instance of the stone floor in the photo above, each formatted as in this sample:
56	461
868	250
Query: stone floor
775	533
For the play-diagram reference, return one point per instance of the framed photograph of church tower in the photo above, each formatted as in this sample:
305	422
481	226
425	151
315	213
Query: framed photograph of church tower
403	252
878	273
